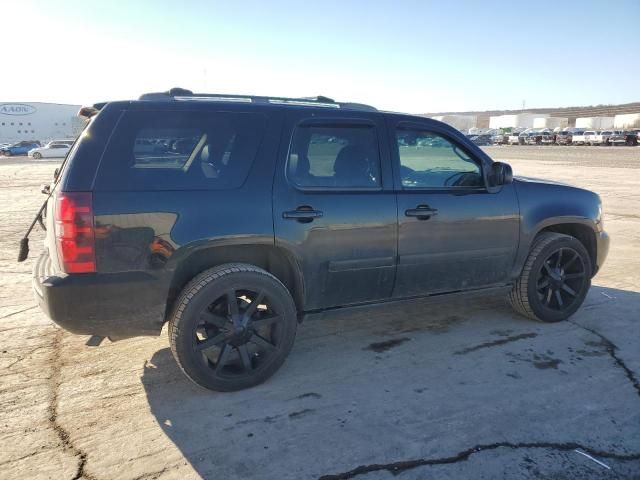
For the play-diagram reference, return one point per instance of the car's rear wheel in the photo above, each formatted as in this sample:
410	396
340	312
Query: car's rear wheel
37	155
555	279
232	327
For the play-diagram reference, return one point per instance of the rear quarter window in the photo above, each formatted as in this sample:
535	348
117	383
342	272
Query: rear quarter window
158	150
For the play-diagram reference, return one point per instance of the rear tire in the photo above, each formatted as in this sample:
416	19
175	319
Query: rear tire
232	327
555	279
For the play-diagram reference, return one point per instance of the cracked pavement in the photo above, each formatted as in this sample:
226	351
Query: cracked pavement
465	389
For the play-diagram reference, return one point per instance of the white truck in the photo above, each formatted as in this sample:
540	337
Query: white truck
581	137
599	138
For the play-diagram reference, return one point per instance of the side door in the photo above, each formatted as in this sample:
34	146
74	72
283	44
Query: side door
335	208
454	233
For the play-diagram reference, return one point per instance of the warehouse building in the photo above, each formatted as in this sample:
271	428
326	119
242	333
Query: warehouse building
628	120
597	123
38	121
519	120
550	122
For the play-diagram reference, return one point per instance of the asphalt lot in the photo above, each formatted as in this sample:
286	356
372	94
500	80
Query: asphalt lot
457	390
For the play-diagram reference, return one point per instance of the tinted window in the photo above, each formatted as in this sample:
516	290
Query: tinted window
180	151
344	156
428	160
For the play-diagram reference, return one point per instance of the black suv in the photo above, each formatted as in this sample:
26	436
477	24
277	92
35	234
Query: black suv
265	210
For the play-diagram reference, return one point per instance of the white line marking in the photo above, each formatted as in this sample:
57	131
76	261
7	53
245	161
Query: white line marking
591	458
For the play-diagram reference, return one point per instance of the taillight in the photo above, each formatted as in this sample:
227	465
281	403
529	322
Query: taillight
75	238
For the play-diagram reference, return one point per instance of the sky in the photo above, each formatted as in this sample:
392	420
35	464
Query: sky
409	56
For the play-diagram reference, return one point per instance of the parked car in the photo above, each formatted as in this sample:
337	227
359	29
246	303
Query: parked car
332	224
62	142
524	137
533	138
564	137
50	150
600	138
621	137
501	138
581	137
513	139
547	137
482	140
19	148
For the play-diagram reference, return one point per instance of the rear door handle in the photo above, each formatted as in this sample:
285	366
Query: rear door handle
422	212
303	214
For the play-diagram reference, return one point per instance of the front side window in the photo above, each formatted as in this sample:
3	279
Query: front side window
428	160
343	157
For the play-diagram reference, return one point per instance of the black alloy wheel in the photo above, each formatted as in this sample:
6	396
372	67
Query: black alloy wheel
555	279
237	333
560	278
232	327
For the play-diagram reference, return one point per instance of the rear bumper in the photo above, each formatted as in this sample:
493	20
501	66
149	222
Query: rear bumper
602	250
121	305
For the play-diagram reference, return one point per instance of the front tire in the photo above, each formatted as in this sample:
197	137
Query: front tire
37	156
232	327
555	279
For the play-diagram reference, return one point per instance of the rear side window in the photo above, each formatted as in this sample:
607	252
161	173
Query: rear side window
339	156
180	151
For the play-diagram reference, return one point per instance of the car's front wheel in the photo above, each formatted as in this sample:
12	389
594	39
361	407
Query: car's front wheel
232	327
555	279
37	155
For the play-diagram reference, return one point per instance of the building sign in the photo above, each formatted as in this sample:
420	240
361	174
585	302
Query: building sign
16	109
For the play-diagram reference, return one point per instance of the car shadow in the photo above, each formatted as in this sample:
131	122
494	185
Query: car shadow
379	382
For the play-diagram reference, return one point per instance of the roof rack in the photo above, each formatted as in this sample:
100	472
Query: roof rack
182	94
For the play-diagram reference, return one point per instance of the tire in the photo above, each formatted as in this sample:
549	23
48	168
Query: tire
37	156
226	348
530	298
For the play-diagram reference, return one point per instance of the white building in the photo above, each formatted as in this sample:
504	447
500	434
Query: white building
596	123
628	120
38	121
550	122
461	122
519	120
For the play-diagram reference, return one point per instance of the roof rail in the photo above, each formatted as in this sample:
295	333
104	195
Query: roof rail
182	94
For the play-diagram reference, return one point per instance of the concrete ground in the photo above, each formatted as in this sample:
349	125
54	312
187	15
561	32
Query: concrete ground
457	390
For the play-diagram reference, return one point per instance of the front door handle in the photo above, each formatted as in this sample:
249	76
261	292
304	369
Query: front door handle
303	214
422	212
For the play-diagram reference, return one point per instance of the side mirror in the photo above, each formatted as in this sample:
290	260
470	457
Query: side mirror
500	174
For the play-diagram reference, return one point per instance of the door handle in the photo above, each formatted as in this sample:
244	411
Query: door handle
303	214
422	212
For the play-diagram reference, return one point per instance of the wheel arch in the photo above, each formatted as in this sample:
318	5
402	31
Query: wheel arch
582	232
275	260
